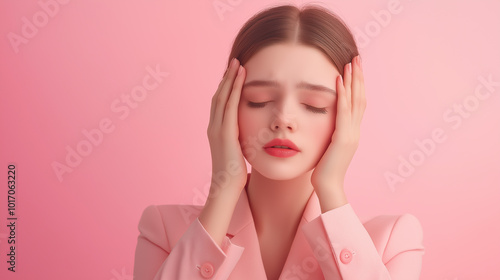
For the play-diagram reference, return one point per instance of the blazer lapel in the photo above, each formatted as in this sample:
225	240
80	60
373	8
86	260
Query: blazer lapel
242	232
301	262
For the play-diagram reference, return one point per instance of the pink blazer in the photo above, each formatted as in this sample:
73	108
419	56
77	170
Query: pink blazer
173	245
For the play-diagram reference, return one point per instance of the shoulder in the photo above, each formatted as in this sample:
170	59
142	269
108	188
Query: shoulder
165	224
393	234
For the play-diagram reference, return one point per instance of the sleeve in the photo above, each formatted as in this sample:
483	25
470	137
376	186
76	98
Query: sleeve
194	256
345	250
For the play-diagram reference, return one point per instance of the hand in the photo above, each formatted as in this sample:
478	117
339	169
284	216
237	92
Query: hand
328	176
229	170
229	173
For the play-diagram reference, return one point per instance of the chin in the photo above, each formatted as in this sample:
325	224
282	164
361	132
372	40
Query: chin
279	171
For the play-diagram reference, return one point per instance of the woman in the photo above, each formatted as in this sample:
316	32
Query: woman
291	103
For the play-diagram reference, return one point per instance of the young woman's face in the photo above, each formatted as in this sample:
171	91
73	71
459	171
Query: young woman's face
296	85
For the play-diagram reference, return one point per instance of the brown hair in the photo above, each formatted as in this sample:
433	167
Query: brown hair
310	25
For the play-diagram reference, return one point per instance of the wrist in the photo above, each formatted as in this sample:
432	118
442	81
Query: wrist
227	191
331	198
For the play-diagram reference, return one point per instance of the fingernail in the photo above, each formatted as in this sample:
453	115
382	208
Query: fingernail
349	68
240	69
359	62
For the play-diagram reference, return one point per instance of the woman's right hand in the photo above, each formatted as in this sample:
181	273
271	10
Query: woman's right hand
229	172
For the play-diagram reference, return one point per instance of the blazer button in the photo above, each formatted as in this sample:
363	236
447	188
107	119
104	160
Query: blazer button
207	270
345	256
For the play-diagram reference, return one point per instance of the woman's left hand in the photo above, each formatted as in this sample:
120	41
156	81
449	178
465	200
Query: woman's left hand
328	176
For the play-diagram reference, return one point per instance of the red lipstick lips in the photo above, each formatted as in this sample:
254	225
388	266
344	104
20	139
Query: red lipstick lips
281	148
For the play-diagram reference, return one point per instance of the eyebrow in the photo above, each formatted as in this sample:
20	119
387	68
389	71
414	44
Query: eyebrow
302	85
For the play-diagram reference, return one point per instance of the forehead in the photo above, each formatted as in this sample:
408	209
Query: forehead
290	63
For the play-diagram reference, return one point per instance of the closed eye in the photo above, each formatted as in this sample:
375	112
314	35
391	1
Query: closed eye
308	107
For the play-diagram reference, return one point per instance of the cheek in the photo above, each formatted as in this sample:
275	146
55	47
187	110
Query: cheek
248	123
322	129
320	132
251	137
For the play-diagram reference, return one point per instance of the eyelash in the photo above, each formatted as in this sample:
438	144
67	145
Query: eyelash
310	108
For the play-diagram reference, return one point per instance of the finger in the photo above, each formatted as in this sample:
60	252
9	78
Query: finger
347	82
231	115
223	93
358	89
214	97
342	106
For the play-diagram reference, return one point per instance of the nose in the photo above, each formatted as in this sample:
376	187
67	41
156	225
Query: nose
283	120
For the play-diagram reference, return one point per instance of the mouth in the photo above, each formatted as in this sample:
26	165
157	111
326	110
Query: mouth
282	144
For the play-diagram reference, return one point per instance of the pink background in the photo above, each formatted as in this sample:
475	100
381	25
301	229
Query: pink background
68	72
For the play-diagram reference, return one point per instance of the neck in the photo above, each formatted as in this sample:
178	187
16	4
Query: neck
277	205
